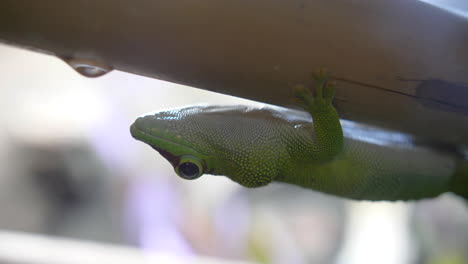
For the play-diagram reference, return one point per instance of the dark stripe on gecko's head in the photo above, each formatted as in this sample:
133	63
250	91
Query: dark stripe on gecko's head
174	160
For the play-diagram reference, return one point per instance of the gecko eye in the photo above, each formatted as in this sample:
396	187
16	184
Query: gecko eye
189	167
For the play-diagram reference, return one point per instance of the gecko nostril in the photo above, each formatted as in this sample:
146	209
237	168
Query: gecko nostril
144	123
139	123
137	127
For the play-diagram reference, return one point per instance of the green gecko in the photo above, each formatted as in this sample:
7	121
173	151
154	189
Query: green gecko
256	146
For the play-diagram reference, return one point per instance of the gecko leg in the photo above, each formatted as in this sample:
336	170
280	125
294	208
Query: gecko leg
328	134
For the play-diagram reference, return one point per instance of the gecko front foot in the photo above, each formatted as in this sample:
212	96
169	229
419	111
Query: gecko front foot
324	93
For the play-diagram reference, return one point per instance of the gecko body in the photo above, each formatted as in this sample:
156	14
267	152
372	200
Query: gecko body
254	146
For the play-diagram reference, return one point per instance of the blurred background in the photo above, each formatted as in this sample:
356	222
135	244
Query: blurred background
71	173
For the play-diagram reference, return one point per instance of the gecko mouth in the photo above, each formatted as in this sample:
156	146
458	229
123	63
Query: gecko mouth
141	135
159	143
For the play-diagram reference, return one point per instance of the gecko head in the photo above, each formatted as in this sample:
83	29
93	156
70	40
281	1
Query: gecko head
155	130
201	140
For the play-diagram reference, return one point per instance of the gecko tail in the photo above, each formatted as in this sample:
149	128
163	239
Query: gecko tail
459	183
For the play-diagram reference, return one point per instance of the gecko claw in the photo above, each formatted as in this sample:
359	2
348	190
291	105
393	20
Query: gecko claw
324	93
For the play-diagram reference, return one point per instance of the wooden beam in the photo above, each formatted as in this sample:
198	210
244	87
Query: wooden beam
400	64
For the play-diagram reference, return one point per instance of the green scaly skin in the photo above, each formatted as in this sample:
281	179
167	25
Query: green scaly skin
255	146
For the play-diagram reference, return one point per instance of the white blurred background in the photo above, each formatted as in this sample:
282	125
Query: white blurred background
70	169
